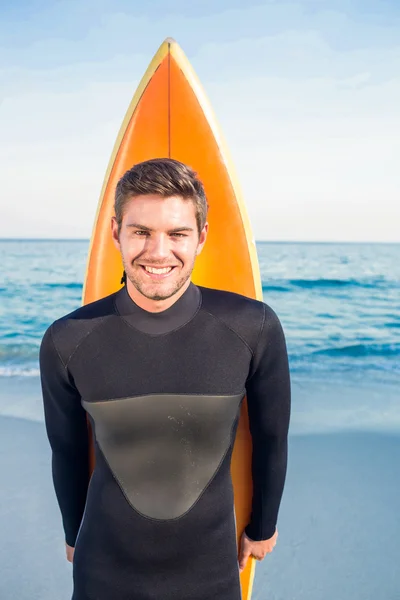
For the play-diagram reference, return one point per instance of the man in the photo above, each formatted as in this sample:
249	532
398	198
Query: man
161	368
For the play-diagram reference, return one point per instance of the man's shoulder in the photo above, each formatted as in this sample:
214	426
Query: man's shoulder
67	332
92	310
242	314
221	300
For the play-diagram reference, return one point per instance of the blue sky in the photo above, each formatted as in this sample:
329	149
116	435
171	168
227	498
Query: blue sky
307	94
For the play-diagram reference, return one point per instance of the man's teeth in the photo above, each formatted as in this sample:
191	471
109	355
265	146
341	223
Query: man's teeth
158	271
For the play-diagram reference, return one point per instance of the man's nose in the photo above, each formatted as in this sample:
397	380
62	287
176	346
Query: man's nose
158	247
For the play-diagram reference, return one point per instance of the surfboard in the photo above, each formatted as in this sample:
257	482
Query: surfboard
170	116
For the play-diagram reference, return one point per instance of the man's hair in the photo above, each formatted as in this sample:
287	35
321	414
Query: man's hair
166	177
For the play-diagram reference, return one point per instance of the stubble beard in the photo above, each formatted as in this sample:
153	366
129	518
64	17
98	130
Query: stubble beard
138	284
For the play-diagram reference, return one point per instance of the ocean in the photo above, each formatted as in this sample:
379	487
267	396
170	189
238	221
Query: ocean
339	303
339	522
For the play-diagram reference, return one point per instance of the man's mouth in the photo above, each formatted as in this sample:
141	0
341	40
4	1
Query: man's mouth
157	272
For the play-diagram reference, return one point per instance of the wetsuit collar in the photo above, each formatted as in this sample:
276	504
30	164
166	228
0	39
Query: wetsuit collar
181	312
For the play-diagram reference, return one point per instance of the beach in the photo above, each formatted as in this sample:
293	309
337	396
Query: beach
338	526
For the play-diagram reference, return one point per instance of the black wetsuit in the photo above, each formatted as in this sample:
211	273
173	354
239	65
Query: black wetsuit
163	392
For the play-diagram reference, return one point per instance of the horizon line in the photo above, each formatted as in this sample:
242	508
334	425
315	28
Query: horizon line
43	239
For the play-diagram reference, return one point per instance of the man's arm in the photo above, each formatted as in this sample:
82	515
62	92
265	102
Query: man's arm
269	404
66	427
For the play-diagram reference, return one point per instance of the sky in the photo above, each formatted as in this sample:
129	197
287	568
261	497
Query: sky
307	94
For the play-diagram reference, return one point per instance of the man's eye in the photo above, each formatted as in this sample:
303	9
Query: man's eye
141	233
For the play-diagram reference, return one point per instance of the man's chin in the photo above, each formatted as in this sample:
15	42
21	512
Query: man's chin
157	291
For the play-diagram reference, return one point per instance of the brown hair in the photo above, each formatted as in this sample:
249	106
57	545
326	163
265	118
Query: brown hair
163	176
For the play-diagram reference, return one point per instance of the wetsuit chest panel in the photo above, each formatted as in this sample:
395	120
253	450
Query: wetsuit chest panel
164	449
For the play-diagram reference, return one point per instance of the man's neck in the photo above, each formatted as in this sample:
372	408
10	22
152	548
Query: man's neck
154	306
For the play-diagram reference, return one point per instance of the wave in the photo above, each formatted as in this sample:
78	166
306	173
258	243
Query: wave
73	285
360	350
275	288
313	283
19	372
284	285
16	352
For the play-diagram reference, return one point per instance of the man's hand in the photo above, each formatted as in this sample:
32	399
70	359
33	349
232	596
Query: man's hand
70	553
257	549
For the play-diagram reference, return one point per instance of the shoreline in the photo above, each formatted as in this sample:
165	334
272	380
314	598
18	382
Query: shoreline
319	406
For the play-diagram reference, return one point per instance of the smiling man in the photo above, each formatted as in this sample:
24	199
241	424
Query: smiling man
161	368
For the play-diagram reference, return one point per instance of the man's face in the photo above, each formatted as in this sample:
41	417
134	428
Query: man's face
159	242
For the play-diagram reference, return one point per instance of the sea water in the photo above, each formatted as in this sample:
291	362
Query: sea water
339	304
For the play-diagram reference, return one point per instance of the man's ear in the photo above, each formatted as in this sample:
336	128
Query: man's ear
115	233
202	239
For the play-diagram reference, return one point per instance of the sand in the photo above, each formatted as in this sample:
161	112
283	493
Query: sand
339	522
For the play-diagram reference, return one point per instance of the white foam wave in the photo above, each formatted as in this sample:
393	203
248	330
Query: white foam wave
18	372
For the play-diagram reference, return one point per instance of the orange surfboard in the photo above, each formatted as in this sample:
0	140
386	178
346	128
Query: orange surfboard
170	116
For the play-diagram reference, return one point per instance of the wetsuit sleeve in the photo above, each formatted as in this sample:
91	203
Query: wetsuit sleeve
66	426
268	401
